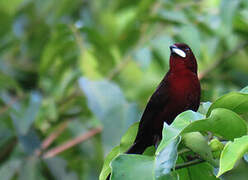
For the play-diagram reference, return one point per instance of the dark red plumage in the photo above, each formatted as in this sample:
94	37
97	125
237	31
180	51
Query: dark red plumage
178	91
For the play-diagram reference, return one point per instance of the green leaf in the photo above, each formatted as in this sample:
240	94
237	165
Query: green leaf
239	172
107	102
227	12
60	52
143	57
9	169
58	168
191	35
173	131
198	144
203	109
235	101
190	121
24	119
131	167
244	90
129	137
165	160
106	169
11	7
29	142
216	148
202	171
172	16
30	170
231	153
89	64
102	96
146	167
160	44
126	141
234	125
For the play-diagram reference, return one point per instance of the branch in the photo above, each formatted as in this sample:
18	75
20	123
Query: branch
184	150
222	58
50	139
55	151
190	163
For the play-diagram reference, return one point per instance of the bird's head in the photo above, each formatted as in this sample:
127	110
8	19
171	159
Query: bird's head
182	57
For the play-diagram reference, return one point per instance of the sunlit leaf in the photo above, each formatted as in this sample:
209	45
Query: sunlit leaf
235	101
234	125
173	131
231	153
126	142
146	167
198	144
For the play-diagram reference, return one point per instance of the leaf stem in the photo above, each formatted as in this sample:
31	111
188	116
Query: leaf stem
190	163
184	150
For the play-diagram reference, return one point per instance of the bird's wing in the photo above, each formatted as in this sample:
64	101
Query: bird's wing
154	108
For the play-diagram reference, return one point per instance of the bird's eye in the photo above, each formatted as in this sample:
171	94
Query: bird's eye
187	49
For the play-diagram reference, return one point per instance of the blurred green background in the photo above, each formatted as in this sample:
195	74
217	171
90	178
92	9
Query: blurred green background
74	75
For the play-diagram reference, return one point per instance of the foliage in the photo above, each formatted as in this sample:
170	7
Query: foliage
74	75
193	128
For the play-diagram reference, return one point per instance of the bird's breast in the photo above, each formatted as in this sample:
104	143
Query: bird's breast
184	83
185	91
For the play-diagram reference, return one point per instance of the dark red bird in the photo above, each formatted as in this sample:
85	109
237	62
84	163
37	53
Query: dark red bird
178	91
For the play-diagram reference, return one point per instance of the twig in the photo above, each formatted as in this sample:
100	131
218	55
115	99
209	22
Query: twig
183	151
222	58
190	163
55	151
50	139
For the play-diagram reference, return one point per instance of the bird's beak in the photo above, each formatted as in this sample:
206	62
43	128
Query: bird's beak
174	49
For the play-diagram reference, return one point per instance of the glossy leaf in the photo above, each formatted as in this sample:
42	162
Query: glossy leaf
146	167
190	121
173	131
126	142
106	169
235	101
165	161
198	144
231	153
234	125
130	167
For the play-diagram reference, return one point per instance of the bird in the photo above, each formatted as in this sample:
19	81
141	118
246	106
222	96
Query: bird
178	91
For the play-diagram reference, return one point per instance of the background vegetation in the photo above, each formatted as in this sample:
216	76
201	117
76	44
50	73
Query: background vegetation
74	75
